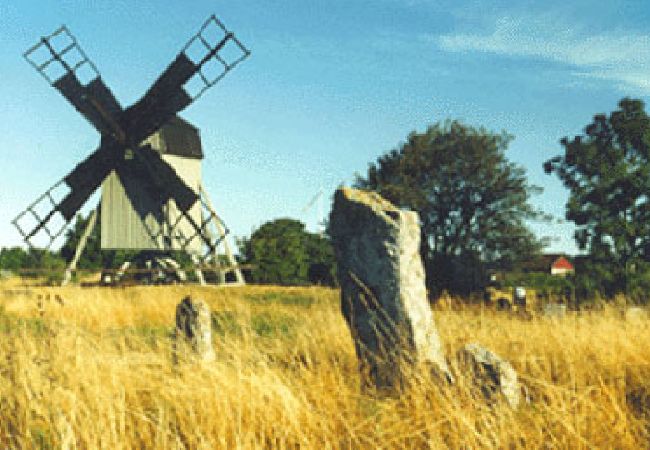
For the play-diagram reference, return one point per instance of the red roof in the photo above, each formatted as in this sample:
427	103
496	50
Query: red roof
562	263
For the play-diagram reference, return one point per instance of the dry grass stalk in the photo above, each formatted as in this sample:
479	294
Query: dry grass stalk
96	372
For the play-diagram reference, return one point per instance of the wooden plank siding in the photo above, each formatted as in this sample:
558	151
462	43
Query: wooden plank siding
132	220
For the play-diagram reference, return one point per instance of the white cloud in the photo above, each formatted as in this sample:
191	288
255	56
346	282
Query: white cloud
620	55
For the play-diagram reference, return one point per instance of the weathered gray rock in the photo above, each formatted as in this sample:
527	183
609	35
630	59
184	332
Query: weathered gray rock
193	333
635	314
383	294
6	274
554	311
490	373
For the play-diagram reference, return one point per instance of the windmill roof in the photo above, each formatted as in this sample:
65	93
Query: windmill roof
181	138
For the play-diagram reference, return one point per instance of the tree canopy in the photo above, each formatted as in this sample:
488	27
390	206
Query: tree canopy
283	252
472	201
32	262
607	171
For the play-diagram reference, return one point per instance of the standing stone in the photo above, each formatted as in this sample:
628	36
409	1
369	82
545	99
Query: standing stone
554	311
635	314
5	274
193	334
490	373
383	293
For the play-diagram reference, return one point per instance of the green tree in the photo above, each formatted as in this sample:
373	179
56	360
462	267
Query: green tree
472	201
45	260
607	171
32	263
14	258
17	259
283	252
322	263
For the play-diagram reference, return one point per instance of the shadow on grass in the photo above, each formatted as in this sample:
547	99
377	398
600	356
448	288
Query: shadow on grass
10	324
264	325
281	298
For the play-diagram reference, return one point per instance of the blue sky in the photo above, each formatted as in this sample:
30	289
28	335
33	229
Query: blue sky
328	88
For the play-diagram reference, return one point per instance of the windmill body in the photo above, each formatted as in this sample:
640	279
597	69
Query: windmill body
133	219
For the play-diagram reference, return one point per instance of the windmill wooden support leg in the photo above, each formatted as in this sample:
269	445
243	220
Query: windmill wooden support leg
221	273
169	265
197	270
122	270
229	256
80	248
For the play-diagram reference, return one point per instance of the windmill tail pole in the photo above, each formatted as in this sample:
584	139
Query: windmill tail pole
67	276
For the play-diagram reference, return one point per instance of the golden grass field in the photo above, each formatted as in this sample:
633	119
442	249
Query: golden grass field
96	372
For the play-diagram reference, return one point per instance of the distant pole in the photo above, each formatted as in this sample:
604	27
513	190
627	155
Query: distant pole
318	198
321	217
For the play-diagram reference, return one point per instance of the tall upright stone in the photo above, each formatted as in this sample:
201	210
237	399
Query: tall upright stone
383	293
193	333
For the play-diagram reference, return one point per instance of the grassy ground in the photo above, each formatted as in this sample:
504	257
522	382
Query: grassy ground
91	368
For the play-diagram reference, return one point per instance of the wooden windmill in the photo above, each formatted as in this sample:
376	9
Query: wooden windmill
149	159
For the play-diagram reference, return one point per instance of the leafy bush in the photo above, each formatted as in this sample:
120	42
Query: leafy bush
283	252
33	263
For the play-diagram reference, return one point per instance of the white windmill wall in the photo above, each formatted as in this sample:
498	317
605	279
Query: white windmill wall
136	222
189	170
128	222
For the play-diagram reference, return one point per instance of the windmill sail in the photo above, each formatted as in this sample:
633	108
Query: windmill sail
172	92
62	62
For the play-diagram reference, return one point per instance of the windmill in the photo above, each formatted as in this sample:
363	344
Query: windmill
148	160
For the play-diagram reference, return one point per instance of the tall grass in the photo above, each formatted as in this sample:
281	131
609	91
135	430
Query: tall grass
93	370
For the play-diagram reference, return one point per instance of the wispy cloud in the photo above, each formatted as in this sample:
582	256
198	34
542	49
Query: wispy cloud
619	55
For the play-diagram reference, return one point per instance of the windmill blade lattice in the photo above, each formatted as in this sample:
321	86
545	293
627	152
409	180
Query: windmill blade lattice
216	51
62	62
203	62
